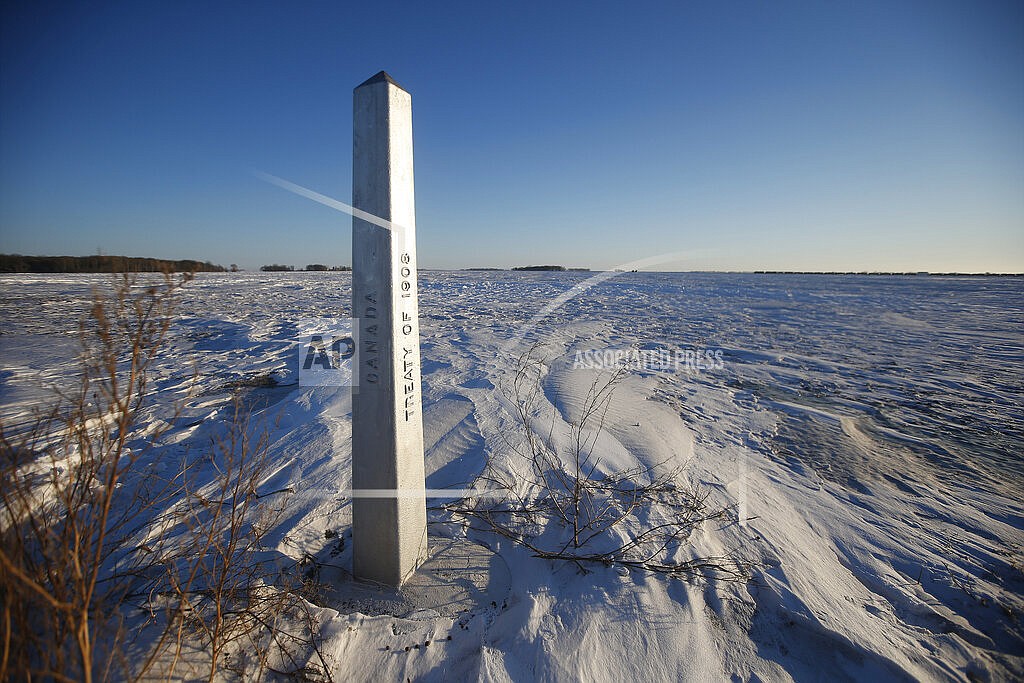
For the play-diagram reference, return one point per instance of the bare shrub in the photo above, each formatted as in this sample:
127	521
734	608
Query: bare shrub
559	505
60	529
110	569
228	606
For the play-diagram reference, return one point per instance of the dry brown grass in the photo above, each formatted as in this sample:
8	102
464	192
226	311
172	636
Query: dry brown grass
111	570
65	504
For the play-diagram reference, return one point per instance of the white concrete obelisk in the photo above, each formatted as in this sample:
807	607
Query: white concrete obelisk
389	516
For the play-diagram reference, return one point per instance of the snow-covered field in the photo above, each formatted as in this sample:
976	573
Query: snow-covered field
864	435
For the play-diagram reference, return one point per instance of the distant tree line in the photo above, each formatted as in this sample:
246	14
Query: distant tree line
16	263
277	267
553	268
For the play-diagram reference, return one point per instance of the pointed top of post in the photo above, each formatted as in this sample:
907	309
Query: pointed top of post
380	77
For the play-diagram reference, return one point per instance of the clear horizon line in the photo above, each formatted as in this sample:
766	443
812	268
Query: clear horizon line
767	271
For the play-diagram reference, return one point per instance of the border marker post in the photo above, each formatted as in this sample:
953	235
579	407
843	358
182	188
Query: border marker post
389	533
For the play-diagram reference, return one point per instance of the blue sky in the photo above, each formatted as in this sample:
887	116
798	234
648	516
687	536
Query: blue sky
759	135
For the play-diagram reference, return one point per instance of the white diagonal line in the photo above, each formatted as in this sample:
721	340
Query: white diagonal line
581	287
327	201
555	304
428	493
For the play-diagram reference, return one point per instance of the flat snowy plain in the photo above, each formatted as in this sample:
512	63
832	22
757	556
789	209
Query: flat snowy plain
864	434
